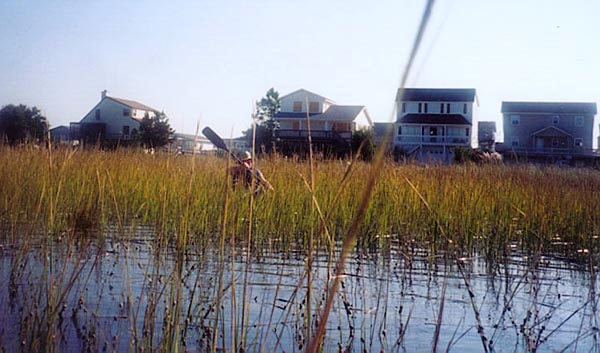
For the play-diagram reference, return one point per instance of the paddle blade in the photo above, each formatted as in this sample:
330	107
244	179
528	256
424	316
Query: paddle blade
214	138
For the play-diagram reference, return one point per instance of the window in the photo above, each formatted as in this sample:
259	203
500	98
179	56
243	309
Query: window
447	108
555	120
515	119
425	105
297	107
420	107
125	129
97	114
313	107
126	111
467	134
399	130
341	127
579	120
465	108
514	140
296	125
442	108
578	142
403	107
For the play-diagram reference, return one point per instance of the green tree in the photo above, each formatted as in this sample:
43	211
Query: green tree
154	131
266	110
363	139
19	123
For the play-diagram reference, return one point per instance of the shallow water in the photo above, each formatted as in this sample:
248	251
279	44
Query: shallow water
123	295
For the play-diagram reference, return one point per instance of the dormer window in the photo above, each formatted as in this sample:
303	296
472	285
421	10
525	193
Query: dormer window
313	107
126	112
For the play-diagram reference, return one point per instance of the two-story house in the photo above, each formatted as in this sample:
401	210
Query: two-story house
329	124
432	122
548	130
111	119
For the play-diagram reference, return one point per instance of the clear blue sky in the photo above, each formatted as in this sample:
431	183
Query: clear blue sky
207	62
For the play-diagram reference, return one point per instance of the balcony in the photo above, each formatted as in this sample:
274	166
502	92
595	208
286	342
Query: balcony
315	134
432	140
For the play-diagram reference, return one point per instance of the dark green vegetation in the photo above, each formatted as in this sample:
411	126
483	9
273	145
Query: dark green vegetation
154	131
19	123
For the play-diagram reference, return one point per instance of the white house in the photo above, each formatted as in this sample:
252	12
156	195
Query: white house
111	119
329	122
432	122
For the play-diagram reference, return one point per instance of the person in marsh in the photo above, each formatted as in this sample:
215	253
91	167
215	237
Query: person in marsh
245	174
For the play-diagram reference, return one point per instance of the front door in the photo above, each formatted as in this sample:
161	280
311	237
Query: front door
539	143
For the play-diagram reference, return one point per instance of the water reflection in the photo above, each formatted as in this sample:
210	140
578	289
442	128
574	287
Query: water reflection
124	294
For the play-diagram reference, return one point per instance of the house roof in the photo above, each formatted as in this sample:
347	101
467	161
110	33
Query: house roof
435	95
550	131
59	128
341	113
132	104
437	119
548	107
293	115
307	92
334	113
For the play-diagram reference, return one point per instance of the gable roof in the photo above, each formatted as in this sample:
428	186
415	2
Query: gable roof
549	107
342	113
435	95
307	92
334	113
294	115
132	104
437	119
550	131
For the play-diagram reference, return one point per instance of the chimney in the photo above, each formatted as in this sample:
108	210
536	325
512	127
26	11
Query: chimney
104	94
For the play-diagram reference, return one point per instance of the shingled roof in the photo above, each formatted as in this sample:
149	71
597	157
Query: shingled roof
334	113
435	119
132	104
435	95
549	107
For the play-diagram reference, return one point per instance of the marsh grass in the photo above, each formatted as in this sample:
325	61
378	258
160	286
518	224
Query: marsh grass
486	207
74	196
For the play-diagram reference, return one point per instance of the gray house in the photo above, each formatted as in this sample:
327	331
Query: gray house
549	130
432	122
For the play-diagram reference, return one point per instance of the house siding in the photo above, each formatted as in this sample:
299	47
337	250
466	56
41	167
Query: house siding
111	114
287	101
532	122
435	139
